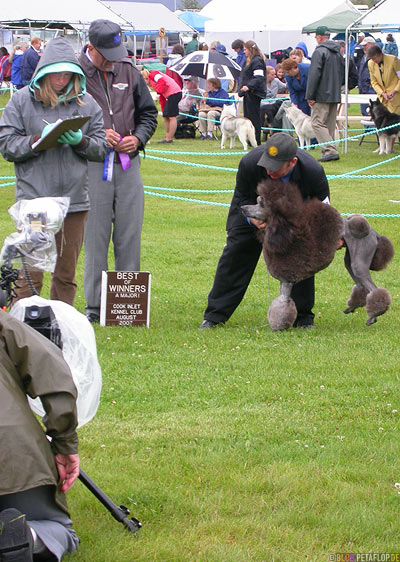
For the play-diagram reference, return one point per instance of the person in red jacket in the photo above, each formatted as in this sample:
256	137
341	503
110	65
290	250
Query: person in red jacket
170	95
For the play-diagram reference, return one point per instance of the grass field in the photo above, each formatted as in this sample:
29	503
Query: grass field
240	443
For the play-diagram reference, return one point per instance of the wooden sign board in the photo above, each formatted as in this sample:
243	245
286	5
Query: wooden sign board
125	298
161	48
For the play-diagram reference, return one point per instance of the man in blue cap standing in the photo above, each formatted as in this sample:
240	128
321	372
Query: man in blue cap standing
115	186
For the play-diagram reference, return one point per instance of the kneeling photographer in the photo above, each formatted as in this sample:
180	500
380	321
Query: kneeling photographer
36	473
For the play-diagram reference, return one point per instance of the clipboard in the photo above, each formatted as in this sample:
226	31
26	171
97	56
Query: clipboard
60	127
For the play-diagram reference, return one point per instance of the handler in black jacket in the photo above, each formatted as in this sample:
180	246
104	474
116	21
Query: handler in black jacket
279	158
252	85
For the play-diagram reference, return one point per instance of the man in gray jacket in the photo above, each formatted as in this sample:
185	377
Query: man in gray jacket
115	187
325	78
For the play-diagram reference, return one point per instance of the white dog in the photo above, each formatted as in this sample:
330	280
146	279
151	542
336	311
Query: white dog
232	126
301	123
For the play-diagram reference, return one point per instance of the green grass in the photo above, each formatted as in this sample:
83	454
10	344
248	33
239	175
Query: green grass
239	443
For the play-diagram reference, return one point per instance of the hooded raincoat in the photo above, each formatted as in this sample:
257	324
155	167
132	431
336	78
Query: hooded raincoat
62	171
326	74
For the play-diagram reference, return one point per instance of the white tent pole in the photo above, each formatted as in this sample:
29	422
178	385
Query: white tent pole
353	26
362	16
346	90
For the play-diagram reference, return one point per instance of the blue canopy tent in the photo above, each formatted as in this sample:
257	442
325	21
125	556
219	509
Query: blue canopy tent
194	19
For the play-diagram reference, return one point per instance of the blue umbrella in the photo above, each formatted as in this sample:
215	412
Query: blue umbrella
194	19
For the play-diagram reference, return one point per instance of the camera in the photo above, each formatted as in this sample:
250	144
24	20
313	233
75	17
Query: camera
37	222
43	320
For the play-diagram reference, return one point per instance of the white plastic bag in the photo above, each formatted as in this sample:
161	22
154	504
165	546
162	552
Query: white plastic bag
37	222
79	350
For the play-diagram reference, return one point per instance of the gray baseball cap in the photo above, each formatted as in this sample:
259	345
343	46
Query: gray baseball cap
106	37
368	41
279	148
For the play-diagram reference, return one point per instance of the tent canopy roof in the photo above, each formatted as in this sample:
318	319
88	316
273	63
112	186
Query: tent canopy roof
259	16
19	13
383	17
337	20
194	19
77	13
148	17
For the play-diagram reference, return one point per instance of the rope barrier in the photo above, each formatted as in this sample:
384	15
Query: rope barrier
202	202
189	190
351	176
225	153
187	199
217	204
346	174
234	100
194	164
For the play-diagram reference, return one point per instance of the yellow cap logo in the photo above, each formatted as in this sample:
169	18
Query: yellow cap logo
272	151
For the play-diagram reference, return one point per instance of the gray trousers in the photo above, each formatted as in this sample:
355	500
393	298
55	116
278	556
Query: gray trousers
323	118
51	524
116	209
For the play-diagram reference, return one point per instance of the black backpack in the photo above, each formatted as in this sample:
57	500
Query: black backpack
185	131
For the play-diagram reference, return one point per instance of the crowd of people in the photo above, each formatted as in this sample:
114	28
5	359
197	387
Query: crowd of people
314	84
259	86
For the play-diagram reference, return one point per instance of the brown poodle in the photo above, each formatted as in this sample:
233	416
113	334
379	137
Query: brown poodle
301	238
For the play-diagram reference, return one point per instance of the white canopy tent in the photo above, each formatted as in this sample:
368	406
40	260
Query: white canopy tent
39	17
136	17
383	17
48	12
271	25
148	18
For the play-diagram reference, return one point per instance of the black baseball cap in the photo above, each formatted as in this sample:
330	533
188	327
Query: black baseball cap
279	148
106	37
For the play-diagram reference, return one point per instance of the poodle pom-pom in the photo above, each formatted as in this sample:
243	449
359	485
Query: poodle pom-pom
383	254
282	313
358	298
358	226
378	302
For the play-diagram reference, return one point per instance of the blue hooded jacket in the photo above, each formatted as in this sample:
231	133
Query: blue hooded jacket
303	47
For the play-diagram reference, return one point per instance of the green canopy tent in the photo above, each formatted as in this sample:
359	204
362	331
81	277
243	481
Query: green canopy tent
337	20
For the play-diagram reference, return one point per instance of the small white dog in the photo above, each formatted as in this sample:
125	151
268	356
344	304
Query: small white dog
301	123
231	125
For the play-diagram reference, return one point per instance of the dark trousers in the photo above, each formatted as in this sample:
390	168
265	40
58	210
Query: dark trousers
269	110
251	110
234	272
